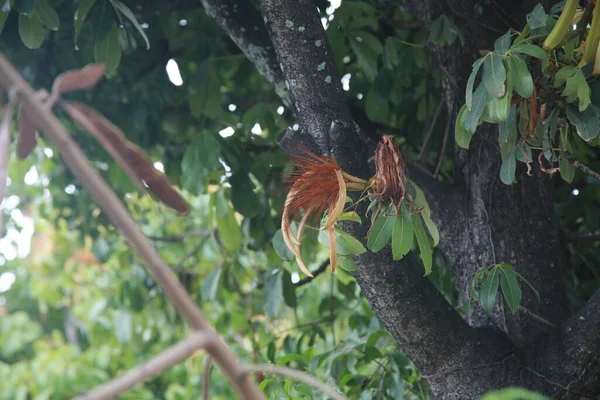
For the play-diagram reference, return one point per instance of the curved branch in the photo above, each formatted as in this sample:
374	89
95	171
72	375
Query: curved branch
315	273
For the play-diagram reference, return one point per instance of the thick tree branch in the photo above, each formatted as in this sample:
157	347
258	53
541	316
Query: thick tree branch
245	27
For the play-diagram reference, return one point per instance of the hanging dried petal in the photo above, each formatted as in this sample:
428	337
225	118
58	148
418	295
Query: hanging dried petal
391	174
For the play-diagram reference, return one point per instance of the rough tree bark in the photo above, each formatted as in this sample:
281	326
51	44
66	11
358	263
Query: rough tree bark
481	220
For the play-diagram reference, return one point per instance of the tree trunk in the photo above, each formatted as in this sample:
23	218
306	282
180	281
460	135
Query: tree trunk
482	221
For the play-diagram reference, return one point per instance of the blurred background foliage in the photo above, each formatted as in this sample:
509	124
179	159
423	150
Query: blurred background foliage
77	306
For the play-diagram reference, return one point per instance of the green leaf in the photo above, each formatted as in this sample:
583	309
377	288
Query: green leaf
520	76
200	157
537	18
381	231
472	116
204	96
432	228
280	247
402	236
209	286
47	15
347	263
419	199
583	94
423	242
3	17
461	136
502	44
494	75
243	198
230	232
83	9
377	107
367	58
123	9
471	81
508	169
567	170
586	123
289	290
108	51
31	31
510	286
273	293
531	50
504	127
513	393
488	291
346	244
122	325
25	7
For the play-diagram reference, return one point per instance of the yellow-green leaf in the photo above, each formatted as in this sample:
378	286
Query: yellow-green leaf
381	232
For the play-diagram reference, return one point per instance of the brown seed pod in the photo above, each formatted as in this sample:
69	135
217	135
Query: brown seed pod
391	178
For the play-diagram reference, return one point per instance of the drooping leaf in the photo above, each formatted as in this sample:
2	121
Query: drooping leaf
47	15
381	232
508	169
510	286
108	51
531	50
432	228
210	284
402	236
502	44
102	20
280	247
567	170
420	202
126	11
79	78
83	9
488	291
461	136
3	17
586	123
204	96
472	116
521	77
367	58
25	7
423	242
230	232
347	263
504	127
494	75
31	30
273	293
469	92
346	244
537	18
243	198
289	290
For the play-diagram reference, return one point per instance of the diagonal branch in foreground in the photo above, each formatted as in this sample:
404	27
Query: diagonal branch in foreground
71	153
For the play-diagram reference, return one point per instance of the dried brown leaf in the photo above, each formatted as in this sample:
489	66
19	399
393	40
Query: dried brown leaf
78	79
127	154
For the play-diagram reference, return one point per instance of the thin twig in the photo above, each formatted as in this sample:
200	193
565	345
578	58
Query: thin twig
536	317
298	376
113	207
580	166
436	114
592	235
206	377
444	141
179	238
190	253
154	366
316	272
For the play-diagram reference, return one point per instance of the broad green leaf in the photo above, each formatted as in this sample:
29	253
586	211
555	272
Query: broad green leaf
423	242
210	284
504	127
108	51
243	198
523	153
102	20
288	358
230	232
419	199
346	244
494	75
47	15
350	216
433	230
273	293
471	82
25	7
583	94
520	76
31	31
461	136
83	9
367	58
498	108
289	290
402	236
586	123
510	286
200	158
123	9
565	73
347	263
472	116
280	247
204	96
508	169
567	170
381	232
488	291
122	325
502	44
537	18
531	50
377	107
370	40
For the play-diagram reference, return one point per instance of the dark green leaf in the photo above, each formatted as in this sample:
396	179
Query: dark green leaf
25	7
108	51
504	127
494	75
510	286
47	15
531	50
402	236
508	169
204	95
567	170
472	116
280	247
102	20
3	17
273	293
367	58
31	31
502	44
209	286
586	123
123	9
488	291
83	10
537	18
244	200
381	232
471	82
521	77
289	290
462	137
423	242
432	228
